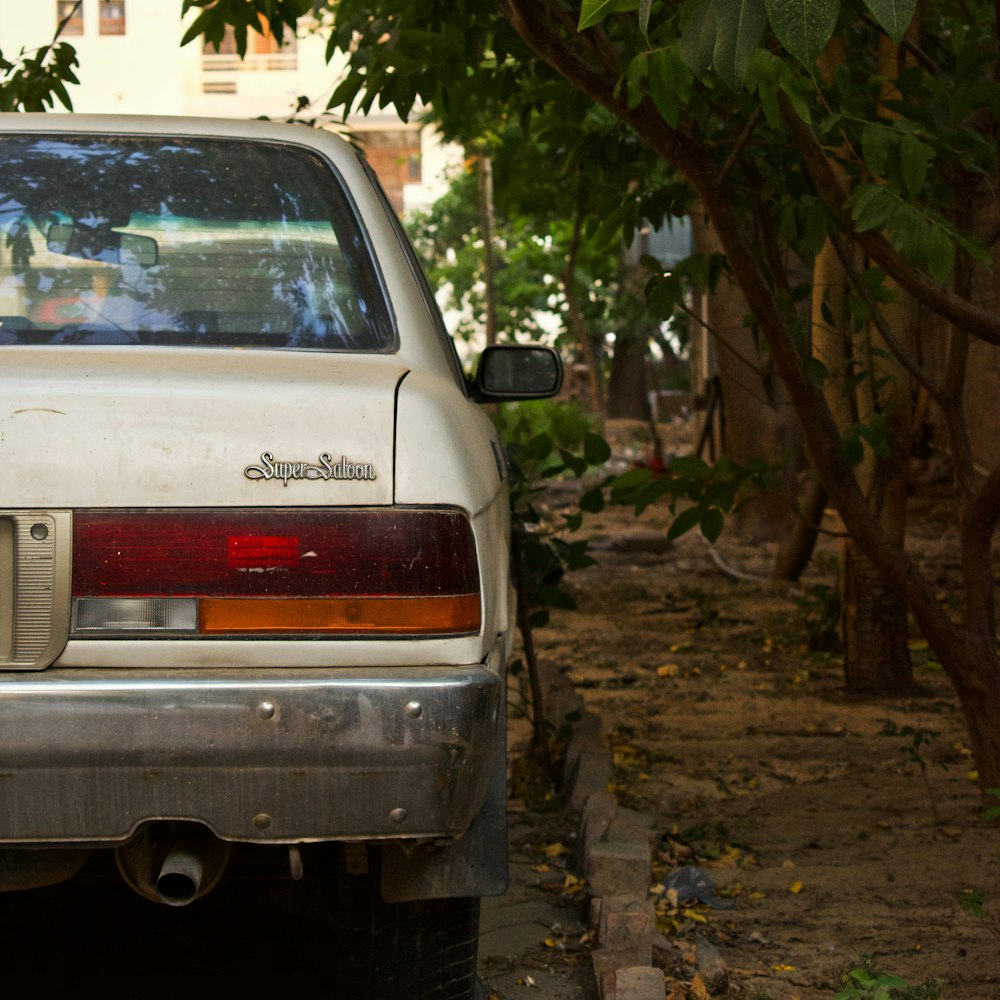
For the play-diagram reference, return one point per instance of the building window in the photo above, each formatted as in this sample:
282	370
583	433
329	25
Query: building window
69	14
112	17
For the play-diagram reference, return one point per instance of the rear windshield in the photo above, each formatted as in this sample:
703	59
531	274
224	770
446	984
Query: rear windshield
165	241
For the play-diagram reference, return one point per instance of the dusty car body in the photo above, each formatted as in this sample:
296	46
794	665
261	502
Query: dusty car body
254	525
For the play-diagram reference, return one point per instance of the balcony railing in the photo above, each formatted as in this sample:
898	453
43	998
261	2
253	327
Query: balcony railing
254	62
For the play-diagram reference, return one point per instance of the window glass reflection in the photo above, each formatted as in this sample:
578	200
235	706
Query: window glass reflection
182	242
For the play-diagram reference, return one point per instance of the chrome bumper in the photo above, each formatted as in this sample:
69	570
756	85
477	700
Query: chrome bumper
267	757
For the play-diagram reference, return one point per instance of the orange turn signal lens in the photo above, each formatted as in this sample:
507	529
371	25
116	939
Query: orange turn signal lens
455	614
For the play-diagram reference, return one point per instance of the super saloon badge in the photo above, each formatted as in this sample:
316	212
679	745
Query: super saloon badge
327	468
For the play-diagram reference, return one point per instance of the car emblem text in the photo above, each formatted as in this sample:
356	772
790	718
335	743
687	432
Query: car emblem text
328	468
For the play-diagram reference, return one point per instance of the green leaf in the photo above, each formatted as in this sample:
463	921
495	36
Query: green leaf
539	447
914	156
638	70
670	83
816	371
893	16
940	254
803	26
690	467
684	522
592	502
595	449
872	212
851	448
645	6
698	29
711	523
595	11
875	145
741	25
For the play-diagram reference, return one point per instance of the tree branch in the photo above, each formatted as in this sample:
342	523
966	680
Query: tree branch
918	373
979	322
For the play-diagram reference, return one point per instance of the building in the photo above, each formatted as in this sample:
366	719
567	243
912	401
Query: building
132	62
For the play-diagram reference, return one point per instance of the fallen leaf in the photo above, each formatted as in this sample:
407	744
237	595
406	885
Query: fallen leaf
699	991
541	869
668	670
554	850
783	968
795	887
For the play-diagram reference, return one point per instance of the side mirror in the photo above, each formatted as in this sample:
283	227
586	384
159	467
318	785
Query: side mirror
102	244
515	371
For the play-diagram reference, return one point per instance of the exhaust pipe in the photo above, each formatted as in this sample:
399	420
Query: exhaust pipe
173	863
179	880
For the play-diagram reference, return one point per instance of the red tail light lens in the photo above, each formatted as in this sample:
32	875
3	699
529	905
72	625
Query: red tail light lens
346	572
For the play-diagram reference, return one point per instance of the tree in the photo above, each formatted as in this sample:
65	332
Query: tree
733	118
722	93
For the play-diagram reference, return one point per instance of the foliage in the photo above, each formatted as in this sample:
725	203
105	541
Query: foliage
819	615
705	493
915	741
529	254
865	982
544	442
34	81
724	34
994	811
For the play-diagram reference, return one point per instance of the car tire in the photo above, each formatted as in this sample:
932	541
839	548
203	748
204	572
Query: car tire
421	950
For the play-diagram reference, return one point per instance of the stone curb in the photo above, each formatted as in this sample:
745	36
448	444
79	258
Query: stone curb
612	853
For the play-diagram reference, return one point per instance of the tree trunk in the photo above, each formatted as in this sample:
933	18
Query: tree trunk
873	630
794	555
757	420
484	179
627	384
576	324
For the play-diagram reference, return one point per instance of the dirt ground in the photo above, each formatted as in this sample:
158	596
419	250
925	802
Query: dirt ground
833	828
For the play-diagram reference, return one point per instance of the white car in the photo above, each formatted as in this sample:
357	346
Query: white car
254	536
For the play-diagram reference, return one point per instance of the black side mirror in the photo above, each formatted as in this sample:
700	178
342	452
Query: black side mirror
516	371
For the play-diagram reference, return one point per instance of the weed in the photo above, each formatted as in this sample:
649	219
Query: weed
918	739
974	901
706	611
819	618
864	982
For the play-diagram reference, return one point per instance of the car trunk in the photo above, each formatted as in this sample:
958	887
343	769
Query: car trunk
151	427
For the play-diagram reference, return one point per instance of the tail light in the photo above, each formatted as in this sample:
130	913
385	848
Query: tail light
296	572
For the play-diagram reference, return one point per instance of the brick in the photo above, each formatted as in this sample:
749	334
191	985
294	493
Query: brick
628	824
605	964
592	774
628	922
595	820
639	983
616	867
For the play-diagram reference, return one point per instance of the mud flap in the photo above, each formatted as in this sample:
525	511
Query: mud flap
474	866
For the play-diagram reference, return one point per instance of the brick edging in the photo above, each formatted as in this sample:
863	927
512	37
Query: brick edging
612	853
